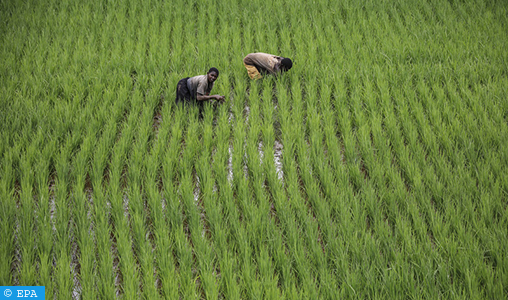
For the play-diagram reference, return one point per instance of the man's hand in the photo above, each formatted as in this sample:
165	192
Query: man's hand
220	98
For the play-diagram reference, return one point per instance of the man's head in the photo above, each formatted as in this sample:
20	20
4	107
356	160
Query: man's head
286	64
212	74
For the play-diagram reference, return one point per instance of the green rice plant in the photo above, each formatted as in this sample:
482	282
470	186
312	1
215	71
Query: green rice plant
164	261
8	216
120	207
193	223
82	219
26	217
142	249
224	184
45	238
62	219
154	223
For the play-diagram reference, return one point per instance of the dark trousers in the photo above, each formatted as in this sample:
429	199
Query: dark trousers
183	94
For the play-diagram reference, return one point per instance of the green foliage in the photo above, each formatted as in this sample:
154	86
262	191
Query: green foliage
374	168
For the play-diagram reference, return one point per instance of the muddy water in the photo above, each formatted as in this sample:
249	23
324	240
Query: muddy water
247	113
277	159
197	191
230	164
278	148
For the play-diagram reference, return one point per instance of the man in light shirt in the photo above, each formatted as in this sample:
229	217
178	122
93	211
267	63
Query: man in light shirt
259	64
196	90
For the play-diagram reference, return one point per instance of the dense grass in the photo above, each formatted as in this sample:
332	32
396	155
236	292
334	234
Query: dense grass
375	168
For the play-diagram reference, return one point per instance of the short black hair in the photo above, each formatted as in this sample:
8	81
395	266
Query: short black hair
214	70
286	63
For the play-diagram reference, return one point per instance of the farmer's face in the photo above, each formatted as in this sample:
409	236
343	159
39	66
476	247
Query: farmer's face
212	76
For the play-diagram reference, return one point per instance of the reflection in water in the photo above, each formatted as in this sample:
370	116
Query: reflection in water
277	159
197	190
230	164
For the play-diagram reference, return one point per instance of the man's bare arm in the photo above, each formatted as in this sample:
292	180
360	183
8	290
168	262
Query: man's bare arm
206	97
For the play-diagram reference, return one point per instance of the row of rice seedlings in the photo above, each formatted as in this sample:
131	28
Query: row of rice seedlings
306	209
384	172
244	198
324	183
259	278
264	224
142	250
128	276
427	134
374	222
181	247
63	223
69	280
259	216
332	101
137	203
122	202
45	215
399	152
184	37
306	228
26	215
180	223
8	216
473	141
81	213
156	222
232	234
164	222
213	227
442	165
103	197
251	217
345	209
282	215
202	251
485	140
296	212
106	275
334	150
85	282
82	217
240	210
370	139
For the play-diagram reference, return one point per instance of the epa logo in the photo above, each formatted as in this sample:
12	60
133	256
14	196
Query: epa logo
10	292
7	293
26	294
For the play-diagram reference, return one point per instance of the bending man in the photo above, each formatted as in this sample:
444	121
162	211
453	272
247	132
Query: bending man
197	89
259	64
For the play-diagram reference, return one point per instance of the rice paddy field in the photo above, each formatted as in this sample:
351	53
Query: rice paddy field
376	168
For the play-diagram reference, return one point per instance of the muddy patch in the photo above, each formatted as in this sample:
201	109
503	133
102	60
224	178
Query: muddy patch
277	159
230	164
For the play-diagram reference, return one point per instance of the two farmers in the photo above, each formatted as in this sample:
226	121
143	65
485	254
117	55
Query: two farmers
197	89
